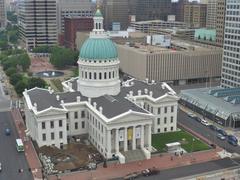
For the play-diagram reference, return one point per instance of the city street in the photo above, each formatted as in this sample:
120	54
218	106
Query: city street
9	157
205	131
194	169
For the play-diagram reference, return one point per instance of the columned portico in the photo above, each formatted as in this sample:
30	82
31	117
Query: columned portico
125	140
117	140
109	147
142	137
134	138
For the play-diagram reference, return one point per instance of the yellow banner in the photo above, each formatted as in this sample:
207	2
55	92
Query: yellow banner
130	134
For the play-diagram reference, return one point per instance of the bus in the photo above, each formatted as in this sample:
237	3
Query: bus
19	145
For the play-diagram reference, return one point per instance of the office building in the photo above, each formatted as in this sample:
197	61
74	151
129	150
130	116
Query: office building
72	8
231	48
74	25
183	63
220	22
178	9
3	16
118	118
153	9
195	15
211	14
116	12
155	25
38	22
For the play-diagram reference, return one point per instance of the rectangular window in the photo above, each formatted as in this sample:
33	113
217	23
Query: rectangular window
165	129
60	123
158	130
60	134
151	109
76	125
44	137
165	120
171	128
165	109
75	115
171	119
172	108
43	125
67	127
83	114
52	136
158	121
52	124
159	110
67	115
83	124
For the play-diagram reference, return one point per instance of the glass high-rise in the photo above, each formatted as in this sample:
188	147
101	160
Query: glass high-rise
231	52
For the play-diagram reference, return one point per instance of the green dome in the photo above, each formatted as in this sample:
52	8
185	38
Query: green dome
98	49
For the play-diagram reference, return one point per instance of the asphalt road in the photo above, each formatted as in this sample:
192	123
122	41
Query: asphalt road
206	132
9	157
194	169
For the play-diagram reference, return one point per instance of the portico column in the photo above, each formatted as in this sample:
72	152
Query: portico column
142	136
125	140
150	137
109	148
117	140
134	139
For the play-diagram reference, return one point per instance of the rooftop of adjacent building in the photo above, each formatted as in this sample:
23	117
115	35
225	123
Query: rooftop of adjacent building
217	100
157	21
177	45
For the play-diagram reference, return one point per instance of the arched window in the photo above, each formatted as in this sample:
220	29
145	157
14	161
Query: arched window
90	75
82	74
105	75
109	75
113	74
95	75
96	25
100	75
86	75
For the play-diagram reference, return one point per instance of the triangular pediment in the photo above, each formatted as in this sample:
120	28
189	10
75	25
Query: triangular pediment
131	116
51	111
167	98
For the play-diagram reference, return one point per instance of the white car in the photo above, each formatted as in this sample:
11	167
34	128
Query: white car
191	115
204	122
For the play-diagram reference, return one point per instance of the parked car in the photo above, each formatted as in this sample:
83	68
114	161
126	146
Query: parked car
212	127
7	132
232	140
220	136
198	119
132	176
204	122
150	171
191	115
221	131
0	167
92	166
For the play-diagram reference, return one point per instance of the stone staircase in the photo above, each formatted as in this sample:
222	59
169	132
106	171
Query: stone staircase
133	155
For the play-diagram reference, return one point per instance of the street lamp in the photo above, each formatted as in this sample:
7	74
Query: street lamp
192	147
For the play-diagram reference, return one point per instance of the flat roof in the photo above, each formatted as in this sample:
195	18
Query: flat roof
202	98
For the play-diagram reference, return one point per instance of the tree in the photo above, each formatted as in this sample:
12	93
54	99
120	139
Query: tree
61	57
24	61
42	49
36	82
20	86
15	78
3	45
10	71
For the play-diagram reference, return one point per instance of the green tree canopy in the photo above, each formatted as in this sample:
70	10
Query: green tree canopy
24	61
10	71
42	49
15	78
20	86
61	57
36	82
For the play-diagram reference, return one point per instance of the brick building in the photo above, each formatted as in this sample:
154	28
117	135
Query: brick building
72	26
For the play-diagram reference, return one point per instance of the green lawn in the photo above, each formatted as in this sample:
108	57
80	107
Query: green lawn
186	140
57	84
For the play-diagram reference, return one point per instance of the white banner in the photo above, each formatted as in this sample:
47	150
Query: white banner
138	133
121	135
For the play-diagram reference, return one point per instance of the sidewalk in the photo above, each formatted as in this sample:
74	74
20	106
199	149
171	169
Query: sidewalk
30	152
162	162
